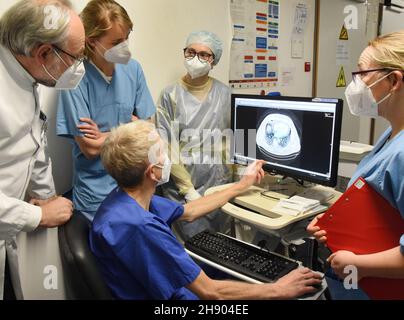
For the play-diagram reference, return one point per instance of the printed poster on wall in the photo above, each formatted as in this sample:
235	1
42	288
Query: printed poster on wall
254	51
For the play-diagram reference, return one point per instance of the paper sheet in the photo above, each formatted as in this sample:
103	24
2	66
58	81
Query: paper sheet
287	76
299	30
342	54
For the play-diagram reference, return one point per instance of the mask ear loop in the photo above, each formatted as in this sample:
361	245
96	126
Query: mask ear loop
48	73
379	80
61	58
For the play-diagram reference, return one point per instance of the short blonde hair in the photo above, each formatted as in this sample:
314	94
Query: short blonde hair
98	17
125	153
388	50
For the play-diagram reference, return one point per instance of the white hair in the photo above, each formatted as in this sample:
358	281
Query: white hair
30	23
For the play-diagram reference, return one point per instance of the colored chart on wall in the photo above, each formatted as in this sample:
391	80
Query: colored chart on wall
254	51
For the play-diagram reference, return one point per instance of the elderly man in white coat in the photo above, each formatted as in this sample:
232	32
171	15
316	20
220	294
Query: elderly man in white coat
41	42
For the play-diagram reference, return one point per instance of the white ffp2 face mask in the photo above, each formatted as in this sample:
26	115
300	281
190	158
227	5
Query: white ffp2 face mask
71	78
166	171
197	68
361	101
119	54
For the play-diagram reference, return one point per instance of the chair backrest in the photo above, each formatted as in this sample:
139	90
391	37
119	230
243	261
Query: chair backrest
84	280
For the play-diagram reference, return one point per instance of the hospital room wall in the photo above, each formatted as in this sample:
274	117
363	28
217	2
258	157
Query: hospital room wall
392	20
159	34
160	30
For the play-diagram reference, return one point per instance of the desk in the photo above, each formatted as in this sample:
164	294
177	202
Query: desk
278	224
272	223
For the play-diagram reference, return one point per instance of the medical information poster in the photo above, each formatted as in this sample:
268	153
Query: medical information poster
254	51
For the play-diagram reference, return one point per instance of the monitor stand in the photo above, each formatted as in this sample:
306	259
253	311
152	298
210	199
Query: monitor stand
279	192
284	188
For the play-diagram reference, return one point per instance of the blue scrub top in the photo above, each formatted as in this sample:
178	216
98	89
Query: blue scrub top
139	256
383	169
109	105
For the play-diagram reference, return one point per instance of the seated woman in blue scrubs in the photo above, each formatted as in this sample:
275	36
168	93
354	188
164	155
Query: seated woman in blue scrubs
377	89
113	92
131	238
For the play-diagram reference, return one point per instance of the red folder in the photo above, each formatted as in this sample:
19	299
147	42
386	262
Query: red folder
363	222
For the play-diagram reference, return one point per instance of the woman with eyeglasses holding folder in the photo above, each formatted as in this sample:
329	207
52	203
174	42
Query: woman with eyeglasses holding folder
377	90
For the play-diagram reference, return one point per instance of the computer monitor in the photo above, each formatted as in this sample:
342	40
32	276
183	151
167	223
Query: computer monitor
297	137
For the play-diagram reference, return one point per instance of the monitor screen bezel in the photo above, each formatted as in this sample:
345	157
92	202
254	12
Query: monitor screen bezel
332	181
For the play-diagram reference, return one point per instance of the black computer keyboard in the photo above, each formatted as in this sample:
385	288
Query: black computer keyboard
243	258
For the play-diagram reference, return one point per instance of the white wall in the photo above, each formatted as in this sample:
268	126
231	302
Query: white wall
392	21
303	81
159	35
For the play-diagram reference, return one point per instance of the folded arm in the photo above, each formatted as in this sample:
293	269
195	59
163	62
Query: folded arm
92	140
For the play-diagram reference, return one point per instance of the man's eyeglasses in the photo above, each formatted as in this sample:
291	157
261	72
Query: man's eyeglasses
359	74
203	56
79	60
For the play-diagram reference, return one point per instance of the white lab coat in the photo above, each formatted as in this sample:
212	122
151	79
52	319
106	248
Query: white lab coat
25	167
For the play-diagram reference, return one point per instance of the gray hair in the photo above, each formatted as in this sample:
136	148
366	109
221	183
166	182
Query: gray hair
30	23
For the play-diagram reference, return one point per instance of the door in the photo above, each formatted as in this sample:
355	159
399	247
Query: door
335	53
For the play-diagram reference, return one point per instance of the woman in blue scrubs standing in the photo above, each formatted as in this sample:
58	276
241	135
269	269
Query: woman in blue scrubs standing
377	90
113	92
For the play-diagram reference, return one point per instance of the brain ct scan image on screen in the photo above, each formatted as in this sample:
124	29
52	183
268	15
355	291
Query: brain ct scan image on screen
278	137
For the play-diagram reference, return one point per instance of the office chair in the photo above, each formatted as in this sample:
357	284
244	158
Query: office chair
83	278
